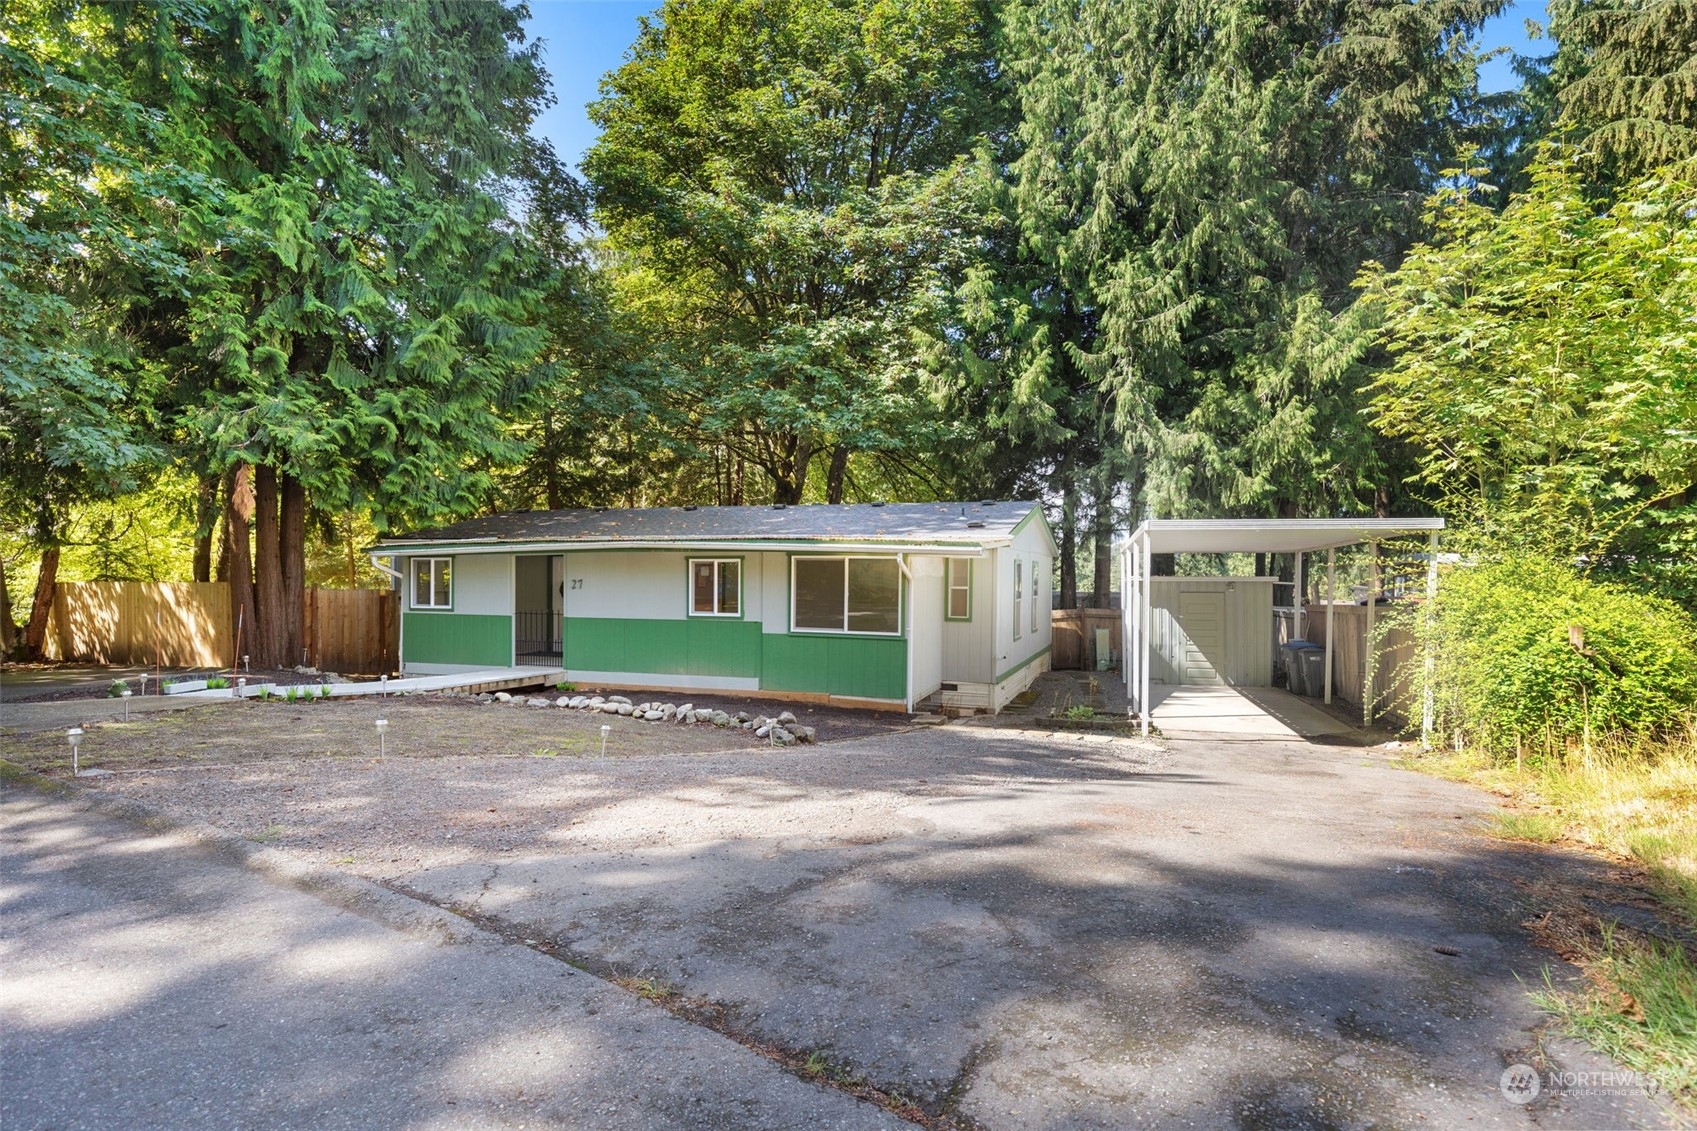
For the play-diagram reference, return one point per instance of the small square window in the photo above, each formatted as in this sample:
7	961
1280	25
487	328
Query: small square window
432	583
715	587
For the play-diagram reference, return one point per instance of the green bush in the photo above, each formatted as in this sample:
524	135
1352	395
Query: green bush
1533	658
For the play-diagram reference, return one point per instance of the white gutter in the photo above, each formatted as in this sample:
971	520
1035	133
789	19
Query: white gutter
381	568
977	549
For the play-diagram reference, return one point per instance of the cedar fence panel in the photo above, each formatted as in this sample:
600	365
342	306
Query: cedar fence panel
1073	639
177	624
1392	670
187	624
353	630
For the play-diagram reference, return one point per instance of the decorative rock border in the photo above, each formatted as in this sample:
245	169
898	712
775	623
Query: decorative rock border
783	730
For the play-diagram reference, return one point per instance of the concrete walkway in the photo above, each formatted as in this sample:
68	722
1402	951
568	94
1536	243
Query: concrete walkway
1253	713
151	983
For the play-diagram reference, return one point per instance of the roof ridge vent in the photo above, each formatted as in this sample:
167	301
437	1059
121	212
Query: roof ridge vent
779	506
975	524
690	507
877	502
988	503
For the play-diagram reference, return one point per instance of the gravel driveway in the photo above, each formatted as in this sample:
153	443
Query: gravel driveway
1015	930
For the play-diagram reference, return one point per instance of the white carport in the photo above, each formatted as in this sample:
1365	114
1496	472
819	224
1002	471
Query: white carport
1297	536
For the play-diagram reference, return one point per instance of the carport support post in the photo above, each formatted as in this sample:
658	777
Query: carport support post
1429	661
1297	634
1143	668
1369	646
1331	598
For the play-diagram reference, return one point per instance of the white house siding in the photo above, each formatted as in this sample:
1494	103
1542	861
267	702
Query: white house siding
967	656
645	584
925	626
483	585
1246	660
1024	658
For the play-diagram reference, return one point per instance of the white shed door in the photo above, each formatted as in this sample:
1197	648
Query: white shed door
1202	637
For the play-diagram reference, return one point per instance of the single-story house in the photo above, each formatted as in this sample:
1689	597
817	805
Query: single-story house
878	605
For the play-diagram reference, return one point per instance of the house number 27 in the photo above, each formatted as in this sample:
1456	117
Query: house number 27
577	583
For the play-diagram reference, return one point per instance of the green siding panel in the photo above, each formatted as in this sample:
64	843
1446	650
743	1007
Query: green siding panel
863	666
707	646
457	638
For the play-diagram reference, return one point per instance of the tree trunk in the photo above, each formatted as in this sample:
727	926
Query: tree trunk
268	612
1260	565
46	582
1163	565
238	557
1069	547
8	627
1102	543
205	520
293	547
836	473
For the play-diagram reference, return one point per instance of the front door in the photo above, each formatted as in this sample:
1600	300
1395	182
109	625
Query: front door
1202	638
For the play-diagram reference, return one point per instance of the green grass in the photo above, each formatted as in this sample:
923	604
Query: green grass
1637	802
1641	1010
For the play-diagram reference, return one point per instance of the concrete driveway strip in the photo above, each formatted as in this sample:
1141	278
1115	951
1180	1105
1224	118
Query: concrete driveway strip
151	983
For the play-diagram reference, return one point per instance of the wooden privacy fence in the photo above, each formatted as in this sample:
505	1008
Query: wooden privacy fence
1392	669
1074	638
187	625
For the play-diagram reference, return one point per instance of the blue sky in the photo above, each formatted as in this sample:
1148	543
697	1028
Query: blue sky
584	39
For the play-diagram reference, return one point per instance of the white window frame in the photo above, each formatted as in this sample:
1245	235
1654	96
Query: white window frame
412	586
951	583
845	559
718	566
1034	573
1018	595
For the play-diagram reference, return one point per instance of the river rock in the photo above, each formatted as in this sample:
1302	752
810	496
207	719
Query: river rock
502	697
786	718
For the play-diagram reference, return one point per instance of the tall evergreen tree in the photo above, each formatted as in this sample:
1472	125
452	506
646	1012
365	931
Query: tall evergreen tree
358	315
1202	179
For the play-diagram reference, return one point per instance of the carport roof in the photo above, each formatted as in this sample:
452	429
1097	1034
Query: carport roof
1272	535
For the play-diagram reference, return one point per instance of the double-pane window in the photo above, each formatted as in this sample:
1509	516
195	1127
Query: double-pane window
715	587
432	583
861	595
959	605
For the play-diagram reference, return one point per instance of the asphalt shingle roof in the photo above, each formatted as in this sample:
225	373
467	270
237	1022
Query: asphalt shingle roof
891	522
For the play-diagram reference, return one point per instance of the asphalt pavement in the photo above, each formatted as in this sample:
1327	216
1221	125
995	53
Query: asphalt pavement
150	982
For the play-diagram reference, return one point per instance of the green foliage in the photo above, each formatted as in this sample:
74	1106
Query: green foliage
565	685
1079	711
116	688
1531	657
217	683
1542	363
1193	183
784	186
1625	80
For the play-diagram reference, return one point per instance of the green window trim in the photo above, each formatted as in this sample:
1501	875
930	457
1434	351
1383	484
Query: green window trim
446	585
949	588
717	563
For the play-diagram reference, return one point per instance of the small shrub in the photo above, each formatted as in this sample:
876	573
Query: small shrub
216	683
1533	658
565	685
1081	711
116	688
324	691
292	694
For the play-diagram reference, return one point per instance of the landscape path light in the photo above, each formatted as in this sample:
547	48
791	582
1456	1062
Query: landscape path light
605	731
383	681
382	745
125	696
74	737
241	687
